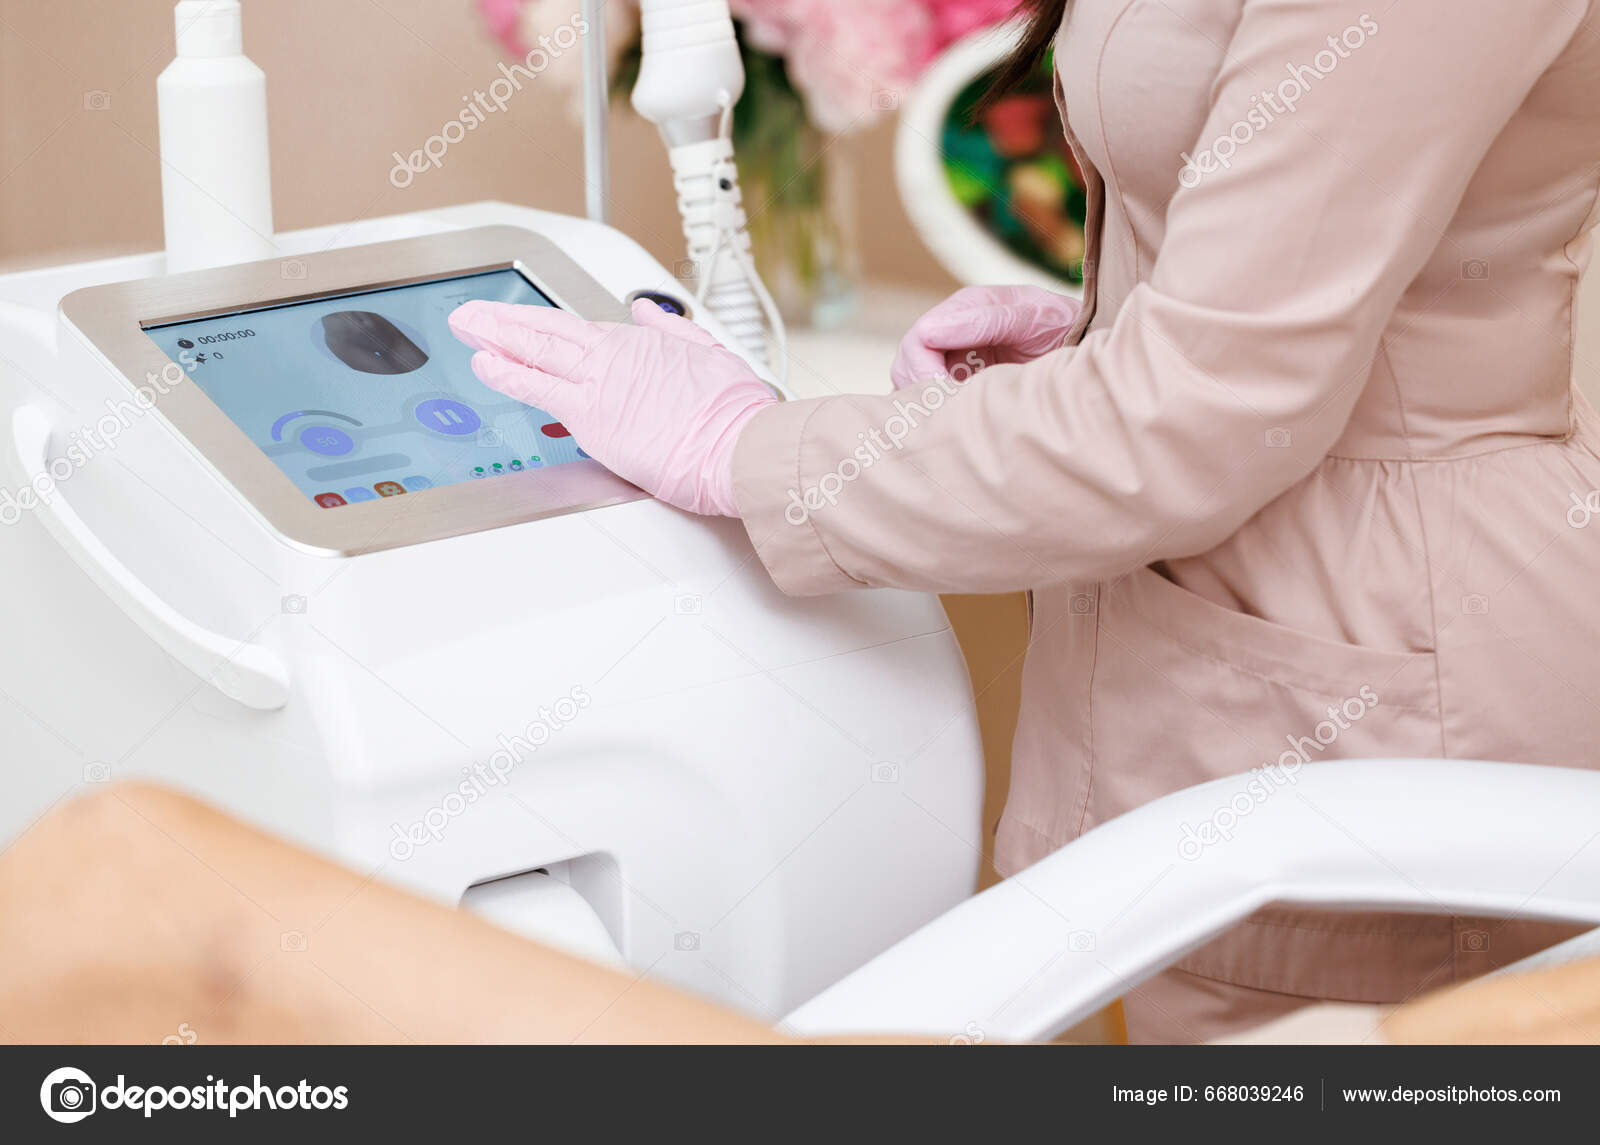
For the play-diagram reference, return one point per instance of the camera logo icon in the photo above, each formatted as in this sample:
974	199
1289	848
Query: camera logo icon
1279	438
1475	269
68	1095
686	940
1475	604
293	269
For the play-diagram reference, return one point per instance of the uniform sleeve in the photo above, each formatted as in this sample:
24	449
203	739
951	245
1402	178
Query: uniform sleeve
1225	378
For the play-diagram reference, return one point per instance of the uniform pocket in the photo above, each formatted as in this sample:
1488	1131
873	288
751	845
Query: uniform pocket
1186	691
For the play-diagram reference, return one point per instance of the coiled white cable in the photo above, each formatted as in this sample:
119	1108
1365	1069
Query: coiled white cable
728	285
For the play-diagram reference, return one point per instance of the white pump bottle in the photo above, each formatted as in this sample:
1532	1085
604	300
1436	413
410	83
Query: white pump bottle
216	183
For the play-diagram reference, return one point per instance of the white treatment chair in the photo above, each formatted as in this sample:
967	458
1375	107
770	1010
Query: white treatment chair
1034	955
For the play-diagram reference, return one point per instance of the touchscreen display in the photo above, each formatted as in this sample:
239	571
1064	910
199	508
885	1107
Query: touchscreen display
369	395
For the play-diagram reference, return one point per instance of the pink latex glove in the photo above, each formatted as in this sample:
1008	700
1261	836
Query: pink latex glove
994	324
660	403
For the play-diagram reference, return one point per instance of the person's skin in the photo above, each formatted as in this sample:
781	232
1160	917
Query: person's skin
1556	1006
136	914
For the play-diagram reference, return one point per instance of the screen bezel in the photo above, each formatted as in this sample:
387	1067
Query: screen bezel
113	320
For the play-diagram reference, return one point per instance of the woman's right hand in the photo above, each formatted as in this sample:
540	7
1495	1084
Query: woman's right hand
992	324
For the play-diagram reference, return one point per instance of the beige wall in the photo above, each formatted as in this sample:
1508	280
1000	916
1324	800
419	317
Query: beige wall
350	82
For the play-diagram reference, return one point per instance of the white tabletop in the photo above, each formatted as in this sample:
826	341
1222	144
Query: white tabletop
854	358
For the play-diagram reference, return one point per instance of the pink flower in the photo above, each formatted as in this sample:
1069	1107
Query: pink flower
504	18
851	60
768	24
953	19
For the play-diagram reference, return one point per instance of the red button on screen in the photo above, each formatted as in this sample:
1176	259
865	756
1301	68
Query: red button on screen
556	429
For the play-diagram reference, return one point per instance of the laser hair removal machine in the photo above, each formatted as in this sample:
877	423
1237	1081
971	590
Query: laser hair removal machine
271	541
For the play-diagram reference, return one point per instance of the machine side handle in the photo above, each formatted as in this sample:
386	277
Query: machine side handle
1028	958
248	673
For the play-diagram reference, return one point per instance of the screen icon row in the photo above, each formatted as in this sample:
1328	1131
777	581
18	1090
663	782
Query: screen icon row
413	484
515	465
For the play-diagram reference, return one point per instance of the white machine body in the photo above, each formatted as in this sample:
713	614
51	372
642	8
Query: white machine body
611	718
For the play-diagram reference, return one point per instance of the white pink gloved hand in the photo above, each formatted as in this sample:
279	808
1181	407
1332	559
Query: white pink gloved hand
995	324
660	403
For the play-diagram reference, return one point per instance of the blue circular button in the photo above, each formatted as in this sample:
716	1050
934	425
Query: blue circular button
448	416
326	440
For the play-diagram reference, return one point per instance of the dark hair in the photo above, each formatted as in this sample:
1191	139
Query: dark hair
1044	19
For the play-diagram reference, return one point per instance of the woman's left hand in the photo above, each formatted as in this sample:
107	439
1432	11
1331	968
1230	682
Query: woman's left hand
660	403
982	326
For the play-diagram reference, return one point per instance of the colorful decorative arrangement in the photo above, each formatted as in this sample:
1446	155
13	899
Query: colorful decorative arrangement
1013	170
